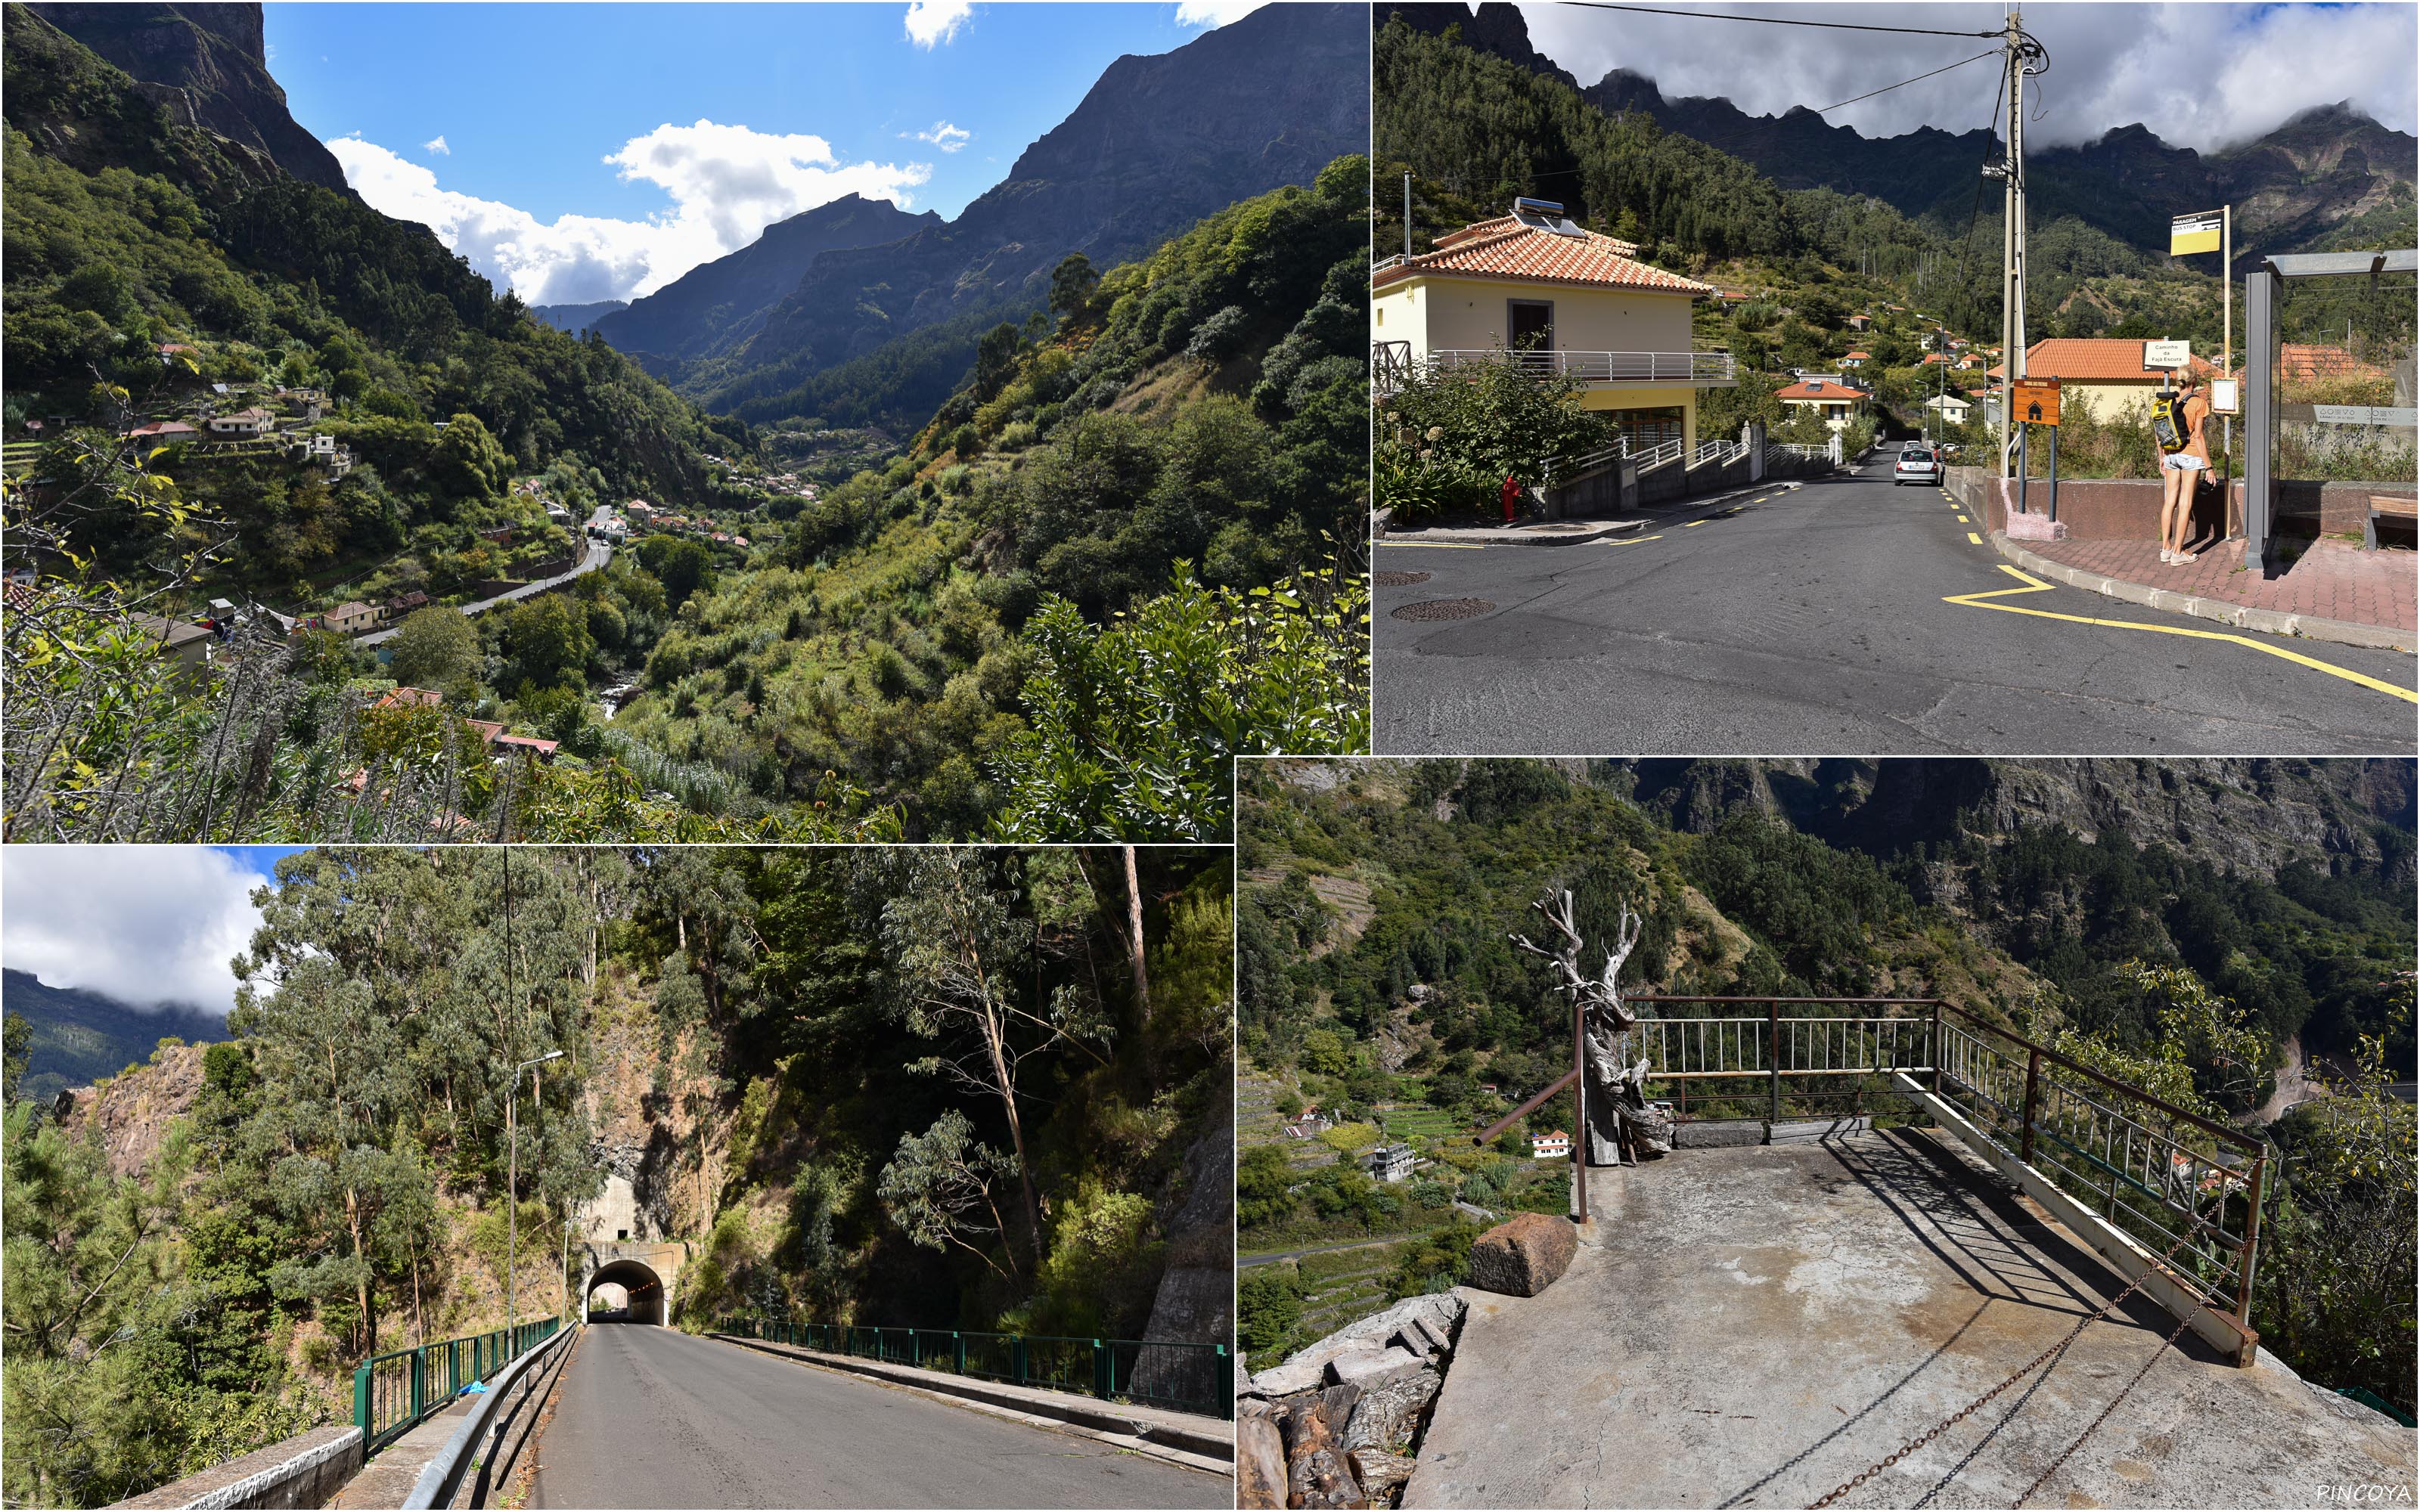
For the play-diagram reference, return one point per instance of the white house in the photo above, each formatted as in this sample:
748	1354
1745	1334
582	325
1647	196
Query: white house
1855	359
1835	401
243	425
1553	1145
1389	1163
1558	299
1951	408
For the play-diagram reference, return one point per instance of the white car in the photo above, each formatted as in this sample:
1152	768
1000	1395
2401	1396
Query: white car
1917	464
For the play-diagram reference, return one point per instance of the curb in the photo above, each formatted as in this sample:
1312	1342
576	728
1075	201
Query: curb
1444	537
1160	1441
2242	616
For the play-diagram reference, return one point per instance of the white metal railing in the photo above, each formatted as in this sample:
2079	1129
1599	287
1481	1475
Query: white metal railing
1598	367
1655	457
1705	452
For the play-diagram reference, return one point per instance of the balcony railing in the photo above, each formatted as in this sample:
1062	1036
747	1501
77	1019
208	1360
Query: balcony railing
2164	1176
1598	367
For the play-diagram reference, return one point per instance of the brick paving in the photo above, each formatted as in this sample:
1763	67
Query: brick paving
2332	579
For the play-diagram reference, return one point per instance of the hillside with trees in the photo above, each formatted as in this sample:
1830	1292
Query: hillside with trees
781	1049
1128	546
2088	902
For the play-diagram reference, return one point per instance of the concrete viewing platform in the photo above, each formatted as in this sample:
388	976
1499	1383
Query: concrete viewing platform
1754	1326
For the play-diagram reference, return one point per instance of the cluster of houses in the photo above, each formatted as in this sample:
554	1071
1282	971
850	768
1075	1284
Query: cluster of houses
218	422
493	734
781	482
642	514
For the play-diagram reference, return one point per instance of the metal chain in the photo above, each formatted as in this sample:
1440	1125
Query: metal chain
2157	1355
2023	1371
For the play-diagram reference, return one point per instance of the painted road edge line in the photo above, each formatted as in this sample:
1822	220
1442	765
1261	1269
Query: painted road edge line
2266	622
2035	585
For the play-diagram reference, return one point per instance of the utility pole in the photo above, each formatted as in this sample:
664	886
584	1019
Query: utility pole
1408	215
2013	239
512	1188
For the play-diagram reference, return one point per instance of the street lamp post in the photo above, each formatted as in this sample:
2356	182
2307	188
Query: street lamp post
512	1187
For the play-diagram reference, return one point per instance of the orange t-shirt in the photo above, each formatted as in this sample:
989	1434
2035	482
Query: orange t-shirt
2196	416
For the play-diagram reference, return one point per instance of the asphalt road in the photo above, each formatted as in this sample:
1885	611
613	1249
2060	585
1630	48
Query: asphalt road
652	1417
598	555
1813	621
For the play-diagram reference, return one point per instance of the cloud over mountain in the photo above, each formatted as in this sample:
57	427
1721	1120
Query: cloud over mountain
144	924
2203	76
726	183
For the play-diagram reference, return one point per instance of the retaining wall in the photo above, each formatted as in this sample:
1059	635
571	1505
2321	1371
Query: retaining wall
308	1469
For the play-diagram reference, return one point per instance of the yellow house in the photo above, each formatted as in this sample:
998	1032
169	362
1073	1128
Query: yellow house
1555	298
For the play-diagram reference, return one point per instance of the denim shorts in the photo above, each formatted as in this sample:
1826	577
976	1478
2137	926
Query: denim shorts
2181	462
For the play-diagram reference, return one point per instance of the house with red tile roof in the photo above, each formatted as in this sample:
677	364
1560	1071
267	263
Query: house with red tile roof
1856	359
1832	400
1531	287
2103	374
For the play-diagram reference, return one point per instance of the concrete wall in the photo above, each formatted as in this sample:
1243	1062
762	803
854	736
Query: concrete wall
308	1469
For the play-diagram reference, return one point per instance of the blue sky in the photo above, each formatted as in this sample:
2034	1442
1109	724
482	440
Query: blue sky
493	123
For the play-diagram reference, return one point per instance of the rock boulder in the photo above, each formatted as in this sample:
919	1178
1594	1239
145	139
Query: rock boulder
1523	1256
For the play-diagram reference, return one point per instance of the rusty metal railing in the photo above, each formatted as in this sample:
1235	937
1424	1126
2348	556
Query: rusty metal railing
2168	1177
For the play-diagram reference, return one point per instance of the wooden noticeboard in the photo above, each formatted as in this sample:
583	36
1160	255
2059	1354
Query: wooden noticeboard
2034	402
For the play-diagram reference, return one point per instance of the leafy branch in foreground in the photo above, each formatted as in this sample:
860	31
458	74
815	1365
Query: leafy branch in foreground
1134	726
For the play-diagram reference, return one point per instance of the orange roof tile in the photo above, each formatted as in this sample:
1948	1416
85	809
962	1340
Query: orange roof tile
2307	359
2096	360
1819	389
1505	248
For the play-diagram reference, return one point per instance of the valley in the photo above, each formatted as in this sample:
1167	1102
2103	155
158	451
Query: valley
826	570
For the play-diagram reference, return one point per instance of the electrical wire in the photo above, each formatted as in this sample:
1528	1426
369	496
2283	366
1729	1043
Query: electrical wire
1742	135
1781	21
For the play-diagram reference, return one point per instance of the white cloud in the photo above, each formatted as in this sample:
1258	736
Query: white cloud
148	925
933	22
2203	76
943	135
726	184
437	145
1214	12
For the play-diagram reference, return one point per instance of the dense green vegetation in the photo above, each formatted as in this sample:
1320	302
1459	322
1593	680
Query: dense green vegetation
783	1023
1183	446
1420	1000
1168	474
126	233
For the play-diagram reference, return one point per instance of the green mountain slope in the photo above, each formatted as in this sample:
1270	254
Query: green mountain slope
75	1037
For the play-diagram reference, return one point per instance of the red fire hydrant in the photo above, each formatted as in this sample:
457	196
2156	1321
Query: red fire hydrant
1512	496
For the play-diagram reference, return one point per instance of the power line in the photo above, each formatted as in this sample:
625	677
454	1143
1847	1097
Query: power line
1742	135
1778	21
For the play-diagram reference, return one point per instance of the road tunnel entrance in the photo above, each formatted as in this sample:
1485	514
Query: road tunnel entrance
625	1290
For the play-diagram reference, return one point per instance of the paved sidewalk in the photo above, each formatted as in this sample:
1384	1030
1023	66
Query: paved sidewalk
2333	592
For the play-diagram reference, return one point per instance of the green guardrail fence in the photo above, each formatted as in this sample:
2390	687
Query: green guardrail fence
394	1393
1193	1378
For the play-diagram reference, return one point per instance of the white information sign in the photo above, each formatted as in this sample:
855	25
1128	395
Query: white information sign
2169	354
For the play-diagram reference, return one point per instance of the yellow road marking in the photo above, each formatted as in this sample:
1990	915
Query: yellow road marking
1636	540
1693	525
1961	519
2035	585
1973	539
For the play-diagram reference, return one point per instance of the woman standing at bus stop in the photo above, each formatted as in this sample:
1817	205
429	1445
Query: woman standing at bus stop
2181	467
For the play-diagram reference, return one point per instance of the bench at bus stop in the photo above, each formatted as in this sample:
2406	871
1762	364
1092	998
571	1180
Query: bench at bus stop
2389	507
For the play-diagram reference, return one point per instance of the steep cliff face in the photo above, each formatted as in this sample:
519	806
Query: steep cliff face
131	1114
2253	814
215	60
1157	144
717	305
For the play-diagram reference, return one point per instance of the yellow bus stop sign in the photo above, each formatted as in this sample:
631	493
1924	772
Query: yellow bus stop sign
2194	233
